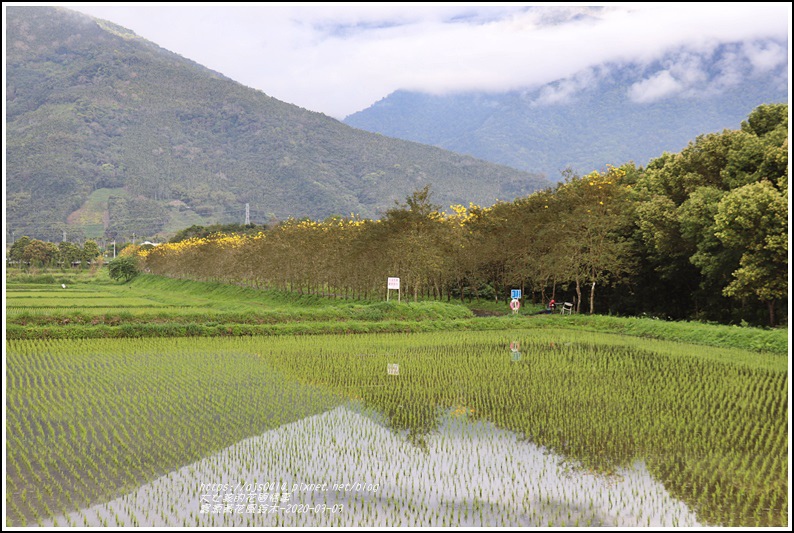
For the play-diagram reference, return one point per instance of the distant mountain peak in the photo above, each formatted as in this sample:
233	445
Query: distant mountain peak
608	114
102	122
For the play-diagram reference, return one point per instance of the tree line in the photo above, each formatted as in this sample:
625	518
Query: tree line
37	253
701	234
27	252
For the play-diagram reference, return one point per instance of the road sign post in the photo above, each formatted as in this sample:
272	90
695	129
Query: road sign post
393	284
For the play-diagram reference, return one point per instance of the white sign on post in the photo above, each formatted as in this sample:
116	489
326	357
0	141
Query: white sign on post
393	284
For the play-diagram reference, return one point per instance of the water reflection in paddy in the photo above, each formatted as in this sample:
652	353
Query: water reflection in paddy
464	474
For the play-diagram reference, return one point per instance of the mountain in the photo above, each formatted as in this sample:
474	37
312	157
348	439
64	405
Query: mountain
110	135
581	123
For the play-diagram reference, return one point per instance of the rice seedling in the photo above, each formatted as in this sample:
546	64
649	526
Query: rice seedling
585	428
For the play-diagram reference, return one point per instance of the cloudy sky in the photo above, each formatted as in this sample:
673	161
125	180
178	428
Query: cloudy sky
339	58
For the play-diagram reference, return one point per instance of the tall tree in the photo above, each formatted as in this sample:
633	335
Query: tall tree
69	253
753	219
414	244
18	248
40	253
593	222
90	252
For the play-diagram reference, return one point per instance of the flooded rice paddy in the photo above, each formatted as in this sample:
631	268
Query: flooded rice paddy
557	428
468	474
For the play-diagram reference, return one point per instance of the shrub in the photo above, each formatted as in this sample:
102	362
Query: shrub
123	267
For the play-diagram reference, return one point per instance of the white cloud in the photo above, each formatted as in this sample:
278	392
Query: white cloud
660	85
563	91
687	74
340	58
688	69
731	69
765	56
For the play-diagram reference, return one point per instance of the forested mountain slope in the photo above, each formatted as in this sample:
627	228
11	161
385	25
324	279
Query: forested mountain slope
139	137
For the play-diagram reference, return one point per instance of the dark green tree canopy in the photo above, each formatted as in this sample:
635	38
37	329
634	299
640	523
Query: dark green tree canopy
17	249
123	268
766	118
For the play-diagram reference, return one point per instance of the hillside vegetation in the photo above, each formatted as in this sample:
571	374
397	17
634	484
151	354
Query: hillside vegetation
91	106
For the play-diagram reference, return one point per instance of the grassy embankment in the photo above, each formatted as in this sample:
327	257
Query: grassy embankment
151	306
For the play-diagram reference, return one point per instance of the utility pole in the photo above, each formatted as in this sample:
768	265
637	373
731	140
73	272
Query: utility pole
133	239
114	248
64	236
247	215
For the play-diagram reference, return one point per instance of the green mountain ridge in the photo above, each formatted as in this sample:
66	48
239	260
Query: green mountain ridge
92	106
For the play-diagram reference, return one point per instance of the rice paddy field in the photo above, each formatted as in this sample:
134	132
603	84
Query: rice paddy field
155	306
146	297
547	426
